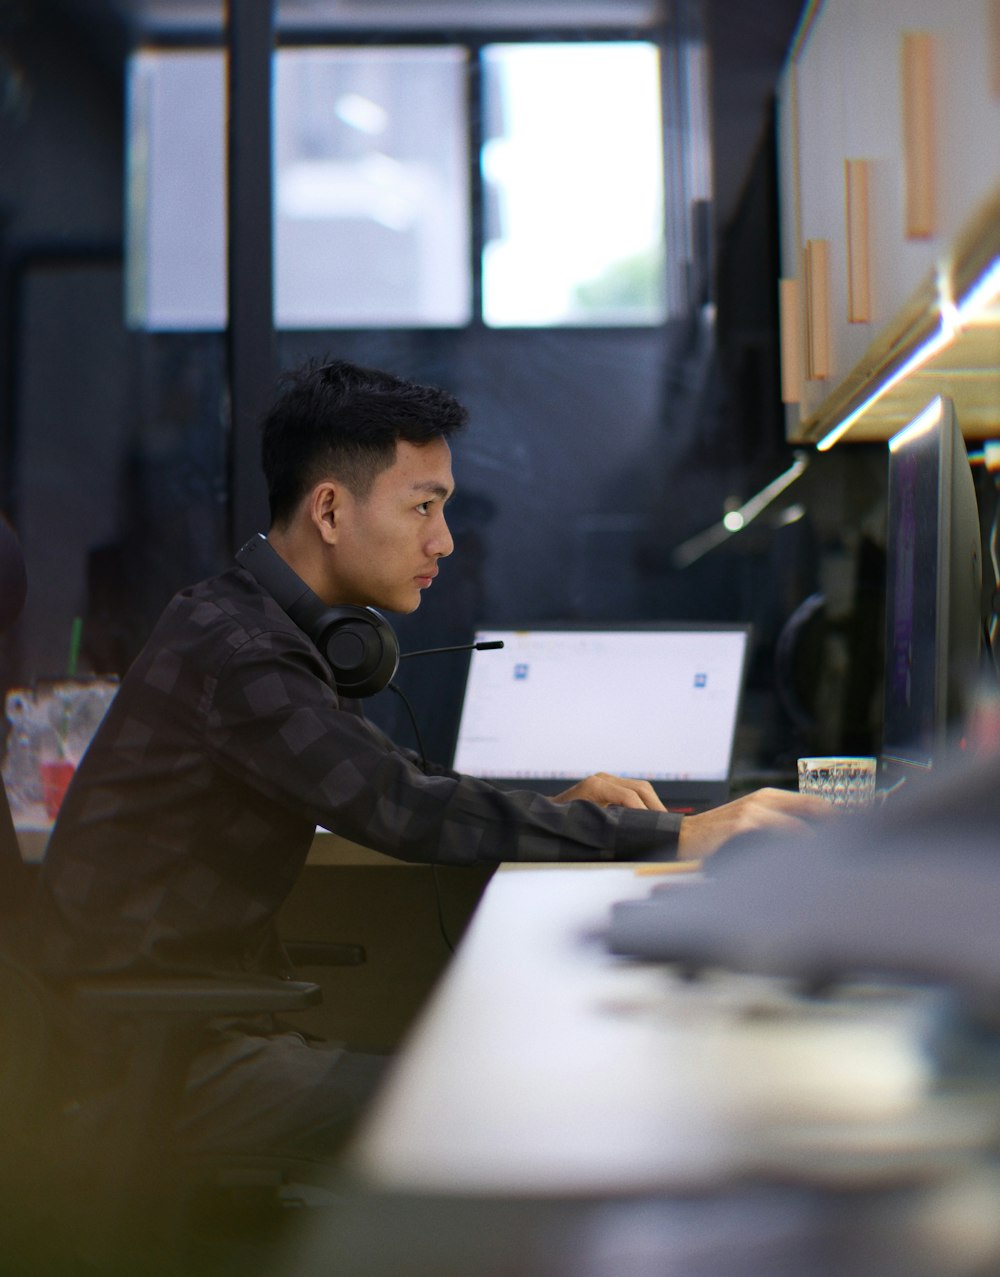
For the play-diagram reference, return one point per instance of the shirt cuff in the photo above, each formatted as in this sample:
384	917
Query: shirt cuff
647	835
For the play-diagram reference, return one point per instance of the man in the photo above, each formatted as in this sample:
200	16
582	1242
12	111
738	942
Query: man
190	818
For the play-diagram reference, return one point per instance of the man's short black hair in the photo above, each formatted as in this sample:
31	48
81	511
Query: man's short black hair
340	420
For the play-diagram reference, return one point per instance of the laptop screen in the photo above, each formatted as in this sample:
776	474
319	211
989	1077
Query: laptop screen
660	702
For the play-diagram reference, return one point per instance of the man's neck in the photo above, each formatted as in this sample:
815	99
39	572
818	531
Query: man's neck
300	555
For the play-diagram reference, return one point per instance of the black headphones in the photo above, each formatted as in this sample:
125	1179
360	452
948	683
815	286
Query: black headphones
358	643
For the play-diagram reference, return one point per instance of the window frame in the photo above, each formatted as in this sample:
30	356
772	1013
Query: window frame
473	42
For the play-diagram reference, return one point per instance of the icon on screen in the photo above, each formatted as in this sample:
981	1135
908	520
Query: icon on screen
521	670
701	680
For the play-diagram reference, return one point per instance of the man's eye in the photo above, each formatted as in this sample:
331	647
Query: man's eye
424	507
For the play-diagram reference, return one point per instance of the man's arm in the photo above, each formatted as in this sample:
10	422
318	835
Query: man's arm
275	723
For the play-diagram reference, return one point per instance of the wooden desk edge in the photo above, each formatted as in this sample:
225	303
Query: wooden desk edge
331	849
326	849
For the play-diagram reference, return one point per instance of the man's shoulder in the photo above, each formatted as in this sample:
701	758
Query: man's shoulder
232	599
225	614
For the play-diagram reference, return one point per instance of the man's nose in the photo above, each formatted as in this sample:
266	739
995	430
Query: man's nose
442	543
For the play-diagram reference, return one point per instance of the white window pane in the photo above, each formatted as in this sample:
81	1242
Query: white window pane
573	168
371	198
371	188
176	209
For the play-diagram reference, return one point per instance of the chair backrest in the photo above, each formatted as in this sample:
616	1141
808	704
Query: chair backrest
14	878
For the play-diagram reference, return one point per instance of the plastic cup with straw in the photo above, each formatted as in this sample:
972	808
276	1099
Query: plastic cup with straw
58	772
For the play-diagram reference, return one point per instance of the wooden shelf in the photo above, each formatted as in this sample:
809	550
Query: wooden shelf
968	370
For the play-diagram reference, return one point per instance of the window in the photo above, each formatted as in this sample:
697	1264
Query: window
573	166
371	221
176	194
372	194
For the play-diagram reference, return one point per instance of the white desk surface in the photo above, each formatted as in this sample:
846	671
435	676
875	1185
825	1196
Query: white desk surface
543	1064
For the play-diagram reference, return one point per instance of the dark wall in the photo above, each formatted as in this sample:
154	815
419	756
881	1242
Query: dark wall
590	453
113	443
62	351
560	477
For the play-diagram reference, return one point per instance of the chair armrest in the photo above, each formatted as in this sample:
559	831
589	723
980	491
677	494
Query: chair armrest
323	953
198	996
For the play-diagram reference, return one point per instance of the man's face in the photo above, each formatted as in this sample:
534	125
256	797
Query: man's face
388	543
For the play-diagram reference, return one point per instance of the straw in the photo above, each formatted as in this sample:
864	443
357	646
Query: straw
74	646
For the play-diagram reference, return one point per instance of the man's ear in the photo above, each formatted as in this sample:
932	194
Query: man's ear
325	508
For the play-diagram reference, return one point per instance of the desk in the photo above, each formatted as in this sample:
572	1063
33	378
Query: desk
32	828
545	1065
557	1112
398	912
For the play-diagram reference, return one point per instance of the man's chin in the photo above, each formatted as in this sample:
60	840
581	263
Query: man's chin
399	606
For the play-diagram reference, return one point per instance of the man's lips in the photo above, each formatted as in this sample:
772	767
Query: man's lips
425	579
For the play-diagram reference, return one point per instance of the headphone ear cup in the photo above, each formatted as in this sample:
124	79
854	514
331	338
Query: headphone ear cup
359	644
361	649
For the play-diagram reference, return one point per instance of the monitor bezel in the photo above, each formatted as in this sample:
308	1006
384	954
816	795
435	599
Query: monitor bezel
957	600
688	794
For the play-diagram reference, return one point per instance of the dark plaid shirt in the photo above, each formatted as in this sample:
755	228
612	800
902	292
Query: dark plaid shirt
192	813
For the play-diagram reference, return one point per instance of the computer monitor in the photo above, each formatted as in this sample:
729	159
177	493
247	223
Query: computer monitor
933	591
658	701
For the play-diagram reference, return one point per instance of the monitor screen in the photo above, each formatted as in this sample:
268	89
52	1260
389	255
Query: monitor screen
658	702
933	588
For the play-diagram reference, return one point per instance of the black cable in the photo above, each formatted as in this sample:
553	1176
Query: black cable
991	622
438	903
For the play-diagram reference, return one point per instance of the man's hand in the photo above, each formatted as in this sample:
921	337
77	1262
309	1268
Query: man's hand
613	791
782	810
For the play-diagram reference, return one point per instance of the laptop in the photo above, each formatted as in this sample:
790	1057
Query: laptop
660	701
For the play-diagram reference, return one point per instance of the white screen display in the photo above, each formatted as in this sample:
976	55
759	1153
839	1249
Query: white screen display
563	704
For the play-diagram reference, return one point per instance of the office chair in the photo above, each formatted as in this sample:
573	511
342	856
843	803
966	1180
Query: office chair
114	1195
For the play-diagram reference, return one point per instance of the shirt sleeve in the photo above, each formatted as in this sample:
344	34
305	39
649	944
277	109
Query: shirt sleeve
274	721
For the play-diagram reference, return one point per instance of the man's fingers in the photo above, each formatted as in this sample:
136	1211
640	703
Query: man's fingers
614	791
766	809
